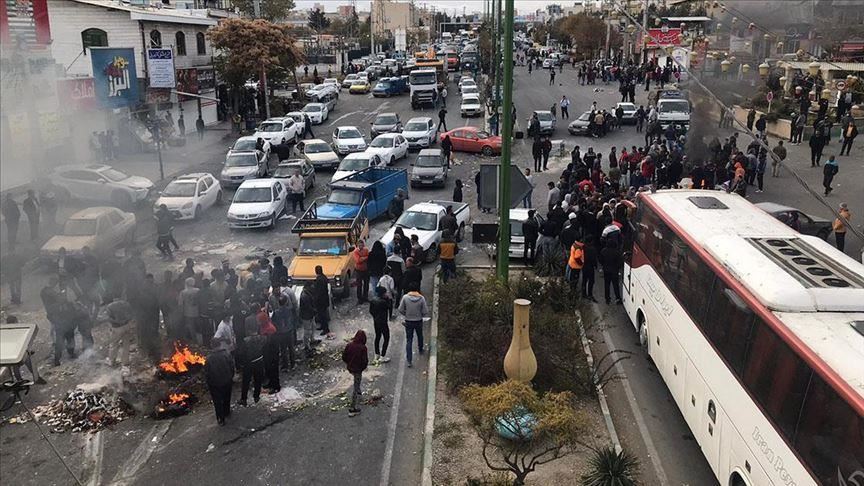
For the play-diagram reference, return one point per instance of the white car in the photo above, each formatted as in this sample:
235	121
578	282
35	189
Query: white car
317	112
424	220
300	120
548	63
468	89
189	195
349	80
325	88
389	147
278	131
248	144
332	82
420	132
242	166
470	105
101	229
362	75
466	82
353	163
319	153
547	121
348	140
257	204
101	183
629	112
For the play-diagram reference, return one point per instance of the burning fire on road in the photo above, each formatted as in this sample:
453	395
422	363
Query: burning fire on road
174	405
182	361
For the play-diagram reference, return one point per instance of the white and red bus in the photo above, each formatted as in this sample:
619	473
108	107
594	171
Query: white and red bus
758	331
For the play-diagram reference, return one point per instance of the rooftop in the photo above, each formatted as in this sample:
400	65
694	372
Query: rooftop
178	16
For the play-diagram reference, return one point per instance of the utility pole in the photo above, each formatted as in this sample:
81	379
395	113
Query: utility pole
608	35
503	260
496	96
644	35
263	83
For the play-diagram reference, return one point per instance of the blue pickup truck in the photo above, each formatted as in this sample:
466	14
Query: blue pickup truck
376	186
390	87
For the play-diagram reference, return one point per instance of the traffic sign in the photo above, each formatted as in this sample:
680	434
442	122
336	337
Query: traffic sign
841	85
769	96
488	187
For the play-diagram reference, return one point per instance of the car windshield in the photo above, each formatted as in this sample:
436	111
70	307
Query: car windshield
468	82
681	106
333	245
180	189
545	116
627	107
80	227
429	161
383	84
270	127
344	197
382	142
470	89
416	127
316	148
421	221
241	160
386	120
312	108
114	175
244	144
253	195
351	77
350	133
585	116
353	164
286	170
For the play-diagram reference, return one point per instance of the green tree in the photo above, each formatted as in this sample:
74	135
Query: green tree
550	434
245	47
584	33
271	10
318	21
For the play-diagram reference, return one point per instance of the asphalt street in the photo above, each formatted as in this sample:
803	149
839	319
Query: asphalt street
319	443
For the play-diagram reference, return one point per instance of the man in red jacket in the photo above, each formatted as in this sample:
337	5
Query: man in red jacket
356	358
361	271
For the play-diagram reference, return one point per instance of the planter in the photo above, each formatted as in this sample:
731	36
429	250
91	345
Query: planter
780	128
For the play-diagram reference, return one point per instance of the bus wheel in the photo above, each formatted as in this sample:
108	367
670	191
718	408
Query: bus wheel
643	333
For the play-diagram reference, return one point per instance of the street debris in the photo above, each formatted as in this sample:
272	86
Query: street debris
80	411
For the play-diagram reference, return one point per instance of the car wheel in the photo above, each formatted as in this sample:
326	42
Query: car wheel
121	199
487	151
273	220
219	198
432	253
823	233
392	161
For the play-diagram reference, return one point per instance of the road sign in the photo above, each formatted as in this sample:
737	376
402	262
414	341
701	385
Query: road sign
519	186
841	85
769	96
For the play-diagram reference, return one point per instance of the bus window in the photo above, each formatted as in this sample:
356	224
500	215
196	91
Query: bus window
727	325
696	285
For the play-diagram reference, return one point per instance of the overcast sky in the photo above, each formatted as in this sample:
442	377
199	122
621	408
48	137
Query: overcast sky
451	6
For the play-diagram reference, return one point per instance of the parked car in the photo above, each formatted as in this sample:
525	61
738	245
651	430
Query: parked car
389	147
580	125
299	119
347	140
278	131
470	105
548	63
241	166
810	225
102	229
318	112
472	139
287	169
430	169
99	183
420	132
248	143
469	90
547	121
386	123
349	80
257	204
629	112
318	153
424	220
360	85
189	195
463	82
518	217
355	163
332	81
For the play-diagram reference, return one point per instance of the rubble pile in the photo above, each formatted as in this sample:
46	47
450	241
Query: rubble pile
81	411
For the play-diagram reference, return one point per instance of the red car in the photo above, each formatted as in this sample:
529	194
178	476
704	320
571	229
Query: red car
472	139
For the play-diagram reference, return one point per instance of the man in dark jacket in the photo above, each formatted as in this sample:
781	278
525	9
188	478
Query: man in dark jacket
537	153
610	261
307	316
12	215
449	221
219	374
145	307
356	358
546	146
253	359
322	301
413	274
530	231
31	209
589	253
447	148
442	119
397	205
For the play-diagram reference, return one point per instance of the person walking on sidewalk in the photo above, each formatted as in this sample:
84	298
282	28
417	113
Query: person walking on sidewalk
780	152
356	358
380	308
850	131
413	308
199	127
840	226
442	119
219	375
828	172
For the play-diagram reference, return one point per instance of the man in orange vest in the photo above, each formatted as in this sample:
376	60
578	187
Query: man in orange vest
575	263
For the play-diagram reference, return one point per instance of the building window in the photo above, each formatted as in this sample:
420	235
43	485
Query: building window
155	38
93	38
202	45
180	40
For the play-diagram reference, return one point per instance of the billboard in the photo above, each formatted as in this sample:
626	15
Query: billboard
187	82
24	23
77	93
114	77
664	37
160	68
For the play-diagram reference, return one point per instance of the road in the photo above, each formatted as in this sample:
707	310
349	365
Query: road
319	445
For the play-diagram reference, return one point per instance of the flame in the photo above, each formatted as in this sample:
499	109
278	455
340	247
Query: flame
177	397
181	359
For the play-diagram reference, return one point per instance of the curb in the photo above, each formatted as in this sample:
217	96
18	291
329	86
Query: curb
432	380
601	396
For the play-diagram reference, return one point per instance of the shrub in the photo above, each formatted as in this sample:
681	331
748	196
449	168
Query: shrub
610	468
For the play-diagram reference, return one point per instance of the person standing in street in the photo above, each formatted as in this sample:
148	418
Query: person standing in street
49	209
442	119
780	152
297	188
751	118
850	131
189	308
13	266
122	332
565	108
828	172
761	166
448	249
322	302
552	76
253	359
798	128
380	308
457	191
199	127
307	319
588	268
574	264
307	123
181	126
444	97
553	197
537	153
526	201
145	305
61	328
547	150
413	308
219	375
31	209
761	126
447	148
817	144
840	226
360	255
611	261
356	359
530	232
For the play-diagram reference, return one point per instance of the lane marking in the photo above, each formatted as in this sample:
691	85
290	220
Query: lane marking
346	115
637	415
394	418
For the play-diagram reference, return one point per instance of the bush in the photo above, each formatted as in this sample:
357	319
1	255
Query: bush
476	326
497	479
610	468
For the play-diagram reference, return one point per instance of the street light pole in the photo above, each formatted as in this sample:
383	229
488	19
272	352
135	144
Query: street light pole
503	260
496	96
257	9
